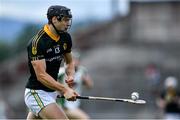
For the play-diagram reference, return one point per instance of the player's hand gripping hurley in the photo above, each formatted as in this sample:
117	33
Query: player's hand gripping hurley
110	99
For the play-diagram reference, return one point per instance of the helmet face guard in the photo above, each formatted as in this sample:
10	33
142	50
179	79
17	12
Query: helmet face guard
66	18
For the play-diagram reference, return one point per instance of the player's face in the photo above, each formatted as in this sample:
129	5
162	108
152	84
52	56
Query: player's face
64	24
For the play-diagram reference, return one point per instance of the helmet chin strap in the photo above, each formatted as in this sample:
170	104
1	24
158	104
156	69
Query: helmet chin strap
58	32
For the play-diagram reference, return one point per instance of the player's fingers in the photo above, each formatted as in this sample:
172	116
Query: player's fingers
73	98
71	84
69	80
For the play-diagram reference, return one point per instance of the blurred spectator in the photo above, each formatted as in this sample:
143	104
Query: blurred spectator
153	76
81	78
169	100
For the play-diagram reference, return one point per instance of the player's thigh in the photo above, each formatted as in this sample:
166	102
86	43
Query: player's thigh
31	116
52	111
76	114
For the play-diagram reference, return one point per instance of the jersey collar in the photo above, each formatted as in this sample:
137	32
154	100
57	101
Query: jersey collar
51	35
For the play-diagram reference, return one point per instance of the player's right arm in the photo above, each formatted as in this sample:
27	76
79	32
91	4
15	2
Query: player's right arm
41	74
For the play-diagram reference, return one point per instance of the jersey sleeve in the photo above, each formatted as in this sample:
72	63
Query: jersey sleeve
69	43
36	50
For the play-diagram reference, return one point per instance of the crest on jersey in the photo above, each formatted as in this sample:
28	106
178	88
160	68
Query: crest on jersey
34	50
57	50
65	46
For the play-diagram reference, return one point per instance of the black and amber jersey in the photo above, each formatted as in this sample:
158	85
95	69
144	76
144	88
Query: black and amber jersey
45	45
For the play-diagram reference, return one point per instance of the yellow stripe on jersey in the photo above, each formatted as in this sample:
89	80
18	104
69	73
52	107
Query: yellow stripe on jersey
35	41
37	98
36	37
34	58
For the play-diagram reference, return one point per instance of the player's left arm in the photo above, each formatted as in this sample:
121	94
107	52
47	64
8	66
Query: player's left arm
70	70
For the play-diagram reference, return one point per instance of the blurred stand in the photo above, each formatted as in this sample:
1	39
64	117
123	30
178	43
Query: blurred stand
13	75
3	108
6	111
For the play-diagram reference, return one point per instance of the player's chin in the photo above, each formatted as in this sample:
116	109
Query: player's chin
66	29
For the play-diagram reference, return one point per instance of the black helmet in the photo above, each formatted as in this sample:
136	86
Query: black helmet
59	12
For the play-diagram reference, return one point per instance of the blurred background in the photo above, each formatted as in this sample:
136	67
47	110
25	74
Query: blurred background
126	45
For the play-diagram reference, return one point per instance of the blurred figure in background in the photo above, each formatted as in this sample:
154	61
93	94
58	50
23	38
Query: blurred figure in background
169	100
153	76
81	78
